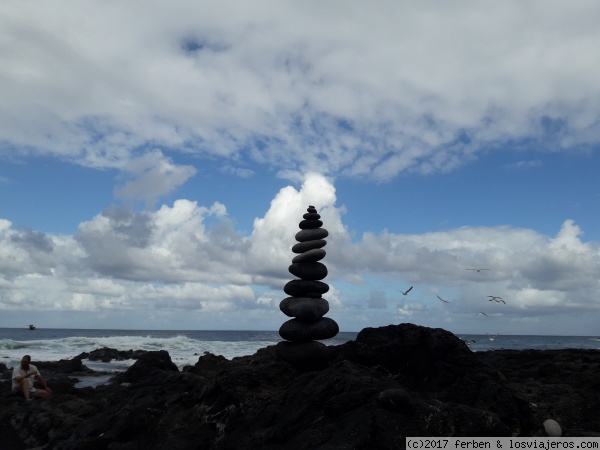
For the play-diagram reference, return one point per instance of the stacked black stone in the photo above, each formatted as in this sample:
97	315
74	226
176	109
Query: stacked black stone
305	302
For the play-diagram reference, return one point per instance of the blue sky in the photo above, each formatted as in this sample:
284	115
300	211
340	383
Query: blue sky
154	167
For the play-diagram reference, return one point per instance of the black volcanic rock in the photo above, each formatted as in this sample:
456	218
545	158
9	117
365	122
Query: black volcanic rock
310	224
436	362
563	384
306	305
302	247
105	354
299	288
296	330
310	355
313	271
311	235
389	383
305	309
397	399
148	363
316	254
311	216
208	364
73	366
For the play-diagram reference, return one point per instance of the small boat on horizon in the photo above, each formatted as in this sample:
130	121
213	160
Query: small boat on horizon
32	327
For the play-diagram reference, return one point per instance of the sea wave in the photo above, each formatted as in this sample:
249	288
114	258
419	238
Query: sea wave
182	349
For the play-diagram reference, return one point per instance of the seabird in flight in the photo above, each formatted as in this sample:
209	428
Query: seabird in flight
407	291
445	301
478	270
482	313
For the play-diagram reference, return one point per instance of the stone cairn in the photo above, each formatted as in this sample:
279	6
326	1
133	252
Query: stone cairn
305	302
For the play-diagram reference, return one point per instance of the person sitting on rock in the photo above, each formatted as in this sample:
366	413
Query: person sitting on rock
23	380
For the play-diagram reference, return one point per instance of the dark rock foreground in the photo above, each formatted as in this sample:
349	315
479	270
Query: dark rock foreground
391	382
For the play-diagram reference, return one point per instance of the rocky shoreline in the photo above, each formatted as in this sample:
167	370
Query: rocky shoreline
389	383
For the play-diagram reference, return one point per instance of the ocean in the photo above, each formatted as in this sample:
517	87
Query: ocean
185	347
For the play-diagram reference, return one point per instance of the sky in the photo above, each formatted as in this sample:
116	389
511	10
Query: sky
157	157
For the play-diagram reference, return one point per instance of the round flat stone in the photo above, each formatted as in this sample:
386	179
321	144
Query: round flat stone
304	308
311	235
311	209
310	224
309	270
304	356
316	254
295	330
311	216
302	288
302	247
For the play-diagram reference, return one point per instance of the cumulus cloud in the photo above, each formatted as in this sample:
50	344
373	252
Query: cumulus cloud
273	235
294	86
175	259
171	244
34	240
297	89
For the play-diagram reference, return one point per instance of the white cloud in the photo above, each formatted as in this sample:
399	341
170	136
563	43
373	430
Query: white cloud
343	89
408	310
169	260
153	176
273	235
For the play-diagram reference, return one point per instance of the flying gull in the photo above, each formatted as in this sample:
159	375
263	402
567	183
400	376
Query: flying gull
477	270
407	291
445	301
496	299
482	313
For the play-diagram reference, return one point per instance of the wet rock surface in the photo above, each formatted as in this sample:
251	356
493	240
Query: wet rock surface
389	383
105	354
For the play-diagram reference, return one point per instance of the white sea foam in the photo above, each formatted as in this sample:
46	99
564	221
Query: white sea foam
182	349
185	347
